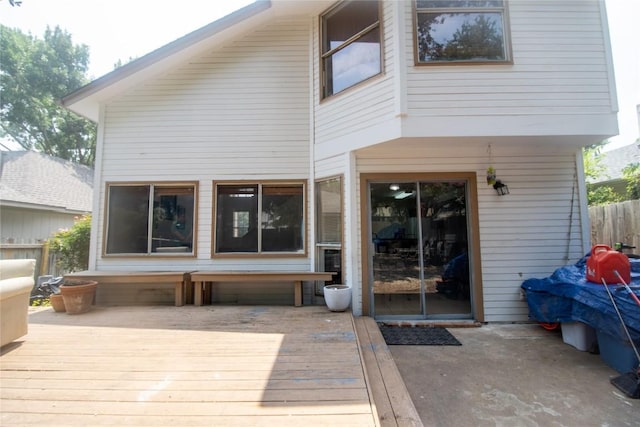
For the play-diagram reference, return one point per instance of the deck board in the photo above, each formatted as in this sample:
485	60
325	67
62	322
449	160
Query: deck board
213	365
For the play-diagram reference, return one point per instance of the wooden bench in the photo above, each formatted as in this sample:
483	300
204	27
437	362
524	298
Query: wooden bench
178	278
200	278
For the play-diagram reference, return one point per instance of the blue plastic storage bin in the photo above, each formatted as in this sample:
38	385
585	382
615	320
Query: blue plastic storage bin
617	353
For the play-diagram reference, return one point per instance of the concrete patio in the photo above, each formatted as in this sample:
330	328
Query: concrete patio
512	375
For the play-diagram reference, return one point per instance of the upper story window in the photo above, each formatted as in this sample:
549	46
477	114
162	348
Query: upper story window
147	219
351	45
259	218
461	31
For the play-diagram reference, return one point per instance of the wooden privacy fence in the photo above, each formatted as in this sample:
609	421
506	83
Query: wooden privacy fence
45	260
617	222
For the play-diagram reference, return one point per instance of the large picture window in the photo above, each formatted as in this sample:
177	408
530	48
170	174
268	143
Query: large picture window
461	31
259	218
150	219
351	50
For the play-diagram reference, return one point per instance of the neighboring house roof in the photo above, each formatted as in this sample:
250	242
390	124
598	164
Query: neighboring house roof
86	100
615	161
35	180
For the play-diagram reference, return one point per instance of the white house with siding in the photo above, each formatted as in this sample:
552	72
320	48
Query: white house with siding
355	137
40	195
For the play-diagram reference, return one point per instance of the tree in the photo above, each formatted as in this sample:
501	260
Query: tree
631	174
482	39
34	75
593	170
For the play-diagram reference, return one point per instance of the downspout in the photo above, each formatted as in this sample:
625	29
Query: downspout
353	248
97	190
583	204
311	191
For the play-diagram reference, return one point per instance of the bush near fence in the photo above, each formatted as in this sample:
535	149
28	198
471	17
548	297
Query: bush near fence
616	222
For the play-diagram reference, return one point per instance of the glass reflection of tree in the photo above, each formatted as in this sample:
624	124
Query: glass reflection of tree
480	38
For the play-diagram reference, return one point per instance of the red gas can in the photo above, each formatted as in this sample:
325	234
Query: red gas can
604	262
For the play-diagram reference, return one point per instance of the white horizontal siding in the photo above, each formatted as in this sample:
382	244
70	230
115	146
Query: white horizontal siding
239	112
560	67
242	109
528	233
332	166
361	107
23	226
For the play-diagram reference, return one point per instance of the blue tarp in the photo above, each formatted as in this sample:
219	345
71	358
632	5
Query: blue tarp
566	296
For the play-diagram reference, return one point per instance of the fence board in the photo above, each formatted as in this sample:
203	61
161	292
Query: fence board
616	222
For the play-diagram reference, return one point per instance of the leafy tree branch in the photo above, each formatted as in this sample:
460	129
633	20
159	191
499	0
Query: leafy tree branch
34	74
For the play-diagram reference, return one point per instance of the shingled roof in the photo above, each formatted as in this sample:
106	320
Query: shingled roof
616	160
38	181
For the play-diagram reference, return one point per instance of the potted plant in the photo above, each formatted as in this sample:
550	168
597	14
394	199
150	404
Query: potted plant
57	302
78	295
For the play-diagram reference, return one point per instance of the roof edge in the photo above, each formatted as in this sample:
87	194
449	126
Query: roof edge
165	51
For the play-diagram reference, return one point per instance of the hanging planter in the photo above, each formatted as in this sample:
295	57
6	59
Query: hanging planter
491	175
78	295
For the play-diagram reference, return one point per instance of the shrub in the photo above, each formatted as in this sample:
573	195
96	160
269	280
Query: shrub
72	245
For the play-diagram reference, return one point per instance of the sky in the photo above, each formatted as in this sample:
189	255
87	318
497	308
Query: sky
123	29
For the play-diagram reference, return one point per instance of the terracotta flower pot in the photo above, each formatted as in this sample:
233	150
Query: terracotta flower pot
57	302
78	296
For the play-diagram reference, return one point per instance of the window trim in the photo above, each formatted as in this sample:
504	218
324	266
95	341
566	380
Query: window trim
506	35
262	255
323	55
321	245
152	185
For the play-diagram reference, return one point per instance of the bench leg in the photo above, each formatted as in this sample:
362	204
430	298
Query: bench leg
179	294
197	293
297	295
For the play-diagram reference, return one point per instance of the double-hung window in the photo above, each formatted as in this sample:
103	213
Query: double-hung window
145	219
259	218
472	31
351	45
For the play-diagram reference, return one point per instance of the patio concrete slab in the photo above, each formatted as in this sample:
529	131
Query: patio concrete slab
512	375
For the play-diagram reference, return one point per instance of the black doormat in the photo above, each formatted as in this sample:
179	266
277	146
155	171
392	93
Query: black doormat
398	335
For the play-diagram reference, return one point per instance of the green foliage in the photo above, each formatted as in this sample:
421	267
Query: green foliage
40	302
592	159
631	174
34	75
72	245
481	39
602	195
593	171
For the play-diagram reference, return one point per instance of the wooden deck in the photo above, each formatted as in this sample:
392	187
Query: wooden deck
211	365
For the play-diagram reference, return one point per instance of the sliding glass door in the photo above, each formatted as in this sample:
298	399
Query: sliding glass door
419	263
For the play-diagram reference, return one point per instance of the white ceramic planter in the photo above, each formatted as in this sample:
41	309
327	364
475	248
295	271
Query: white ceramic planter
337	297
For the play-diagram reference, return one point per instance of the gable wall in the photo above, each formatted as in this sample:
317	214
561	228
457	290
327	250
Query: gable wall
523	234
560	67
237	113
361	107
